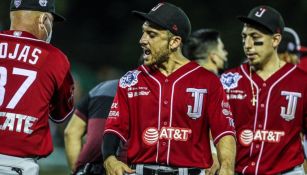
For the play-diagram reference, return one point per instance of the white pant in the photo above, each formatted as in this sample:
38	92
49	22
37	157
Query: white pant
10	165
298	170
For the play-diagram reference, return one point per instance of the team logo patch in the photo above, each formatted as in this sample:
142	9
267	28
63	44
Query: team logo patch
17	3
43	3
230	80
129	79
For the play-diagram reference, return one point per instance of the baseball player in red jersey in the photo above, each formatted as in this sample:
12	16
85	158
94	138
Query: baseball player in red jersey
268	100
35	85
165	107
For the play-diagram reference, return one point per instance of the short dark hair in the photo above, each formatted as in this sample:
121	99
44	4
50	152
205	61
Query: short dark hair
200	43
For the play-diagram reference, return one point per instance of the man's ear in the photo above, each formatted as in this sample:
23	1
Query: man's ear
175	42
276	39
213	58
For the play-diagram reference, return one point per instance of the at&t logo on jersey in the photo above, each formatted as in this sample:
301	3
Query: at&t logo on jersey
129	79
246	137
151	135
230	80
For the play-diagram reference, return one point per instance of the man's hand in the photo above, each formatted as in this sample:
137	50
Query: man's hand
116	167
215	166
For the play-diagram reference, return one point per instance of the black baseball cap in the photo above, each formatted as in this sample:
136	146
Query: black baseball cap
36	5
170	17
290	42
265	17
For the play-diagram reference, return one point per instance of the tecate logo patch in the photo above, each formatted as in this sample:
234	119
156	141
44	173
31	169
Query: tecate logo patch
151	135
246	137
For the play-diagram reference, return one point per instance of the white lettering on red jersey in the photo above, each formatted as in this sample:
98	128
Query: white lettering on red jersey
269	131
35	85
163	116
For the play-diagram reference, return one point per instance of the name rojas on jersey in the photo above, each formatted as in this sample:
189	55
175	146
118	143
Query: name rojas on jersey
151	135
247	136
18	52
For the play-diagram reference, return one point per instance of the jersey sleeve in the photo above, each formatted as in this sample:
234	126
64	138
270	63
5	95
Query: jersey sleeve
82	108
62	103
219	112
118	118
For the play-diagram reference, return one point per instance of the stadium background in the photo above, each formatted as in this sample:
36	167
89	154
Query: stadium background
101	40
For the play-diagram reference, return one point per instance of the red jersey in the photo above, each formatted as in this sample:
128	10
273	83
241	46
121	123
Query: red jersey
303	63
35	83
167	118
268	132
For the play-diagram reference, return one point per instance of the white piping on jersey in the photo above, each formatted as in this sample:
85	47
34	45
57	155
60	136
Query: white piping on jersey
61	120
223	133
22	37
256	112
117	133
243	171
159	115
171	109
267	111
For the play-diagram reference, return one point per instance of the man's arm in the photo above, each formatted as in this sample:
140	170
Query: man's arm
111	164
74	132
226	151
216	164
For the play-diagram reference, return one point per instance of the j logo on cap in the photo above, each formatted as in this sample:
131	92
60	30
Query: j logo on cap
43	3
17	3
156	7
260	12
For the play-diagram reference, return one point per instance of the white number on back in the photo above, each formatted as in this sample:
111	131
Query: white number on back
31	76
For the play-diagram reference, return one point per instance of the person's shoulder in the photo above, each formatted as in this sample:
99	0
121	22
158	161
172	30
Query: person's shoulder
56	53
300	72
105	88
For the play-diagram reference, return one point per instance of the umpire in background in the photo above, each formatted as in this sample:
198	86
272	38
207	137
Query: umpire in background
89	119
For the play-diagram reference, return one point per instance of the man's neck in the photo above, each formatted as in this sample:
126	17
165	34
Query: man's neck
270	67
208	65
174	62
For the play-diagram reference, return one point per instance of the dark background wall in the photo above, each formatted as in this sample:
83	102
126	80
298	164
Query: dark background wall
107	35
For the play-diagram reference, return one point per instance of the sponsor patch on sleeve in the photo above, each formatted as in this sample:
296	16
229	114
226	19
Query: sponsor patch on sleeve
230	80
129	79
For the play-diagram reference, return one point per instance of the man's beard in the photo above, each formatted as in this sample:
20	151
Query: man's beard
161	58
